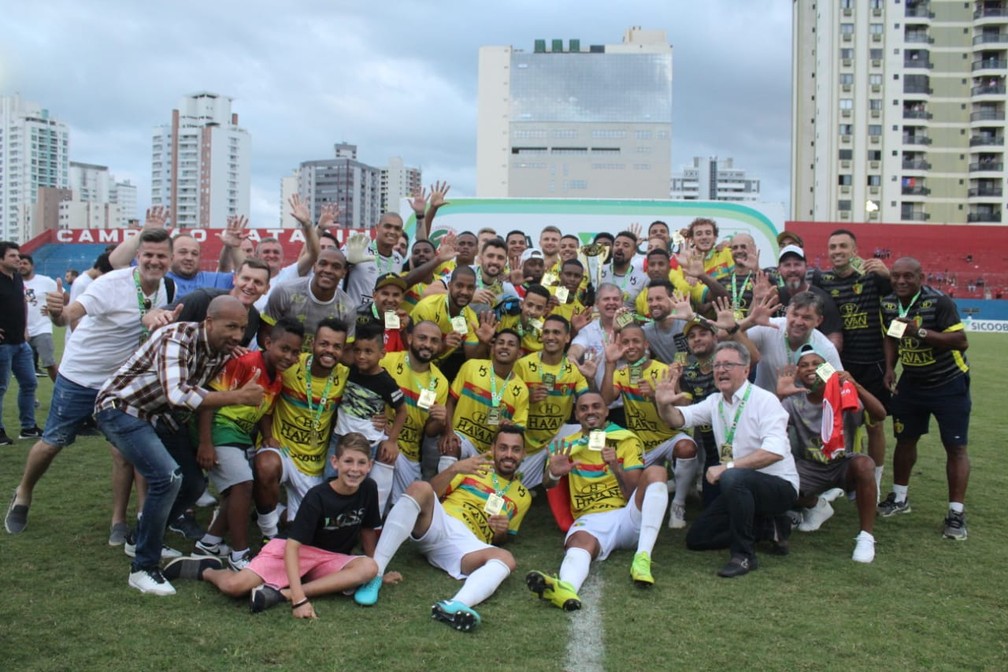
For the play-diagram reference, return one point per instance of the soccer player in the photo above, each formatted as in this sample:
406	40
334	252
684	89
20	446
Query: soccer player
484	396
635	382
458	521
226	435
315	559
492	284
622	272
553	381
528	323
703	234
925	335
295	439
567	294
615	502
831	464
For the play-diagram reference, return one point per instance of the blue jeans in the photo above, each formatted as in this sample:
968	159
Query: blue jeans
168	462
18	358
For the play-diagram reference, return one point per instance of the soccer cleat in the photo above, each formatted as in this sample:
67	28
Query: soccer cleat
559	593
890	507
813	518
241	562
455	614
864	549
30	433
640	569
151	581
5	440
263	597
187	526
117	534
16	519
955	526
676	516
167	552
366	594
218	550
190	567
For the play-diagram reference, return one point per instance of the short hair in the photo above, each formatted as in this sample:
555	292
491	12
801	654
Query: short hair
466	233
516	232
603	235
573	262
405	235
353	441
326	234
269	239
807	299
511	331
662	282
423	241
742	351
607	286
517	430
102	263
370	331
8	245
154	236
656	223
626	234
538	290
255	263
844	232
73	272
495	242
29	258
572	237
659	252
702	221
486	229
462	271
334	324
550	229
561	319
287	325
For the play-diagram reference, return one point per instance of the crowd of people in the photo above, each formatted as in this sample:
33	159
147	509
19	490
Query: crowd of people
372	393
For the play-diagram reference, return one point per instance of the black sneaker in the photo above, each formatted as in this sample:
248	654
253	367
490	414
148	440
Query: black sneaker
955	526
187	526
30	433
263	597
190	567
890	507
16	519
5	440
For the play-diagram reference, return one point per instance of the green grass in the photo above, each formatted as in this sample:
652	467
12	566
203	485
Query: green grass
925	603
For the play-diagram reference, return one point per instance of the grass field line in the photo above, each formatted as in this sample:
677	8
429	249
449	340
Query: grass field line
586	643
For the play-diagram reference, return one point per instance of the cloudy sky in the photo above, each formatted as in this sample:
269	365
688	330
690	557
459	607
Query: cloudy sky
395	78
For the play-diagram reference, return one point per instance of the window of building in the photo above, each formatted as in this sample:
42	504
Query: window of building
874	129
844	180
875	80
875	54
875	104
874	154
846	28
874	180
846	53
846	154
875	28
847	78
846	129
843	205
846	104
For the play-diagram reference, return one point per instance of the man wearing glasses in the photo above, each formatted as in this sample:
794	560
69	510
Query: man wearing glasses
759	481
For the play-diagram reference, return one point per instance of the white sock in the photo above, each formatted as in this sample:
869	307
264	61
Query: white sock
211	539
398	526
956	507
236	555
268	523
574	568
652	511
482	583
878	479
382	474
900	491
685	474
445	462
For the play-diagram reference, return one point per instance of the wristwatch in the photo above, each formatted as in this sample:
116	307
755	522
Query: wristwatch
922	333
730	465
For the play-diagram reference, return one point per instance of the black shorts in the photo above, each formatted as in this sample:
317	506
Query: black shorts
871	377
950	404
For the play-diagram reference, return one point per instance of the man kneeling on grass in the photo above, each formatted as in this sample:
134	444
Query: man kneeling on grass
454	519
315	557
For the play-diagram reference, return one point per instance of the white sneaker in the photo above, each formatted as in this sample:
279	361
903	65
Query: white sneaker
864	550
239	563
677	516
832	494
167	552
205	500
812	519
150	581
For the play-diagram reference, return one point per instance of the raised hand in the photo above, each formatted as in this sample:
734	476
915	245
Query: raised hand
761	311
786	385
487	326
328	216
156	217
357	249
446	246
158	317
637	230
54	301
667	388
581	319
761	287
725	313
682	309
299	210
234	232
588	367
614	352
419	201
438	192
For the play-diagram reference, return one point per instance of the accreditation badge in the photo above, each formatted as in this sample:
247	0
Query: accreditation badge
494	504
681	358
426	400
727	454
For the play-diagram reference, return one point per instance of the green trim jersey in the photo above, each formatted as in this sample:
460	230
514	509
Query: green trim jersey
563	382
858	297
302	427
641	413
466	500
435	309
411	383
236	425
923	365
593	487
531	337
474	413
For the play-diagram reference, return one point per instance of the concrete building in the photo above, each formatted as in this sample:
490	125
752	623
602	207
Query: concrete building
899	110
288	187
92	186
713	179
34	154
201	163
354	186
398	181
570	122
124	195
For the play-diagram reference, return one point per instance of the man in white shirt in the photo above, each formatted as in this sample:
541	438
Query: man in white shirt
757	472
39	326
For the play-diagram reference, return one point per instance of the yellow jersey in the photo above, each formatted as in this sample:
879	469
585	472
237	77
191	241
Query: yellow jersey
475	416
531	337
466	498
412	383
546	417
642	416
435	309
593	487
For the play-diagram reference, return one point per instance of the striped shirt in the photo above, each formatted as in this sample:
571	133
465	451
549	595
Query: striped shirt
166	379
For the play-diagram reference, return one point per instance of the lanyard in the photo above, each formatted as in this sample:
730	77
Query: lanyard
560	366
143	305
625	276
495	397
496	485
730	431
899	306
736	295
325	393
431	385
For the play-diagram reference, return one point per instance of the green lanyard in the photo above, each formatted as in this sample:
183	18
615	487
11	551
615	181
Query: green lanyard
730	431
495	397
736	295
496	485
144	306
316	423
899	306
636	370
432	385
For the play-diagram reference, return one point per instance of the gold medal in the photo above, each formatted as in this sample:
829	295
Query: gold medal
624	319
596	439
493	417
536	324
459	325
562	294
739	315
392	320
427	399
726	453
635	375
494	504
681	358
549	381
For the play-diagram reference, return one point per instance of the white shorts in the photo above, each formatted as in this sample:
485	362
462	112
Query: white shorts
232	467
447	541
406	473
619	528
532	468
296	482
663	451
466	449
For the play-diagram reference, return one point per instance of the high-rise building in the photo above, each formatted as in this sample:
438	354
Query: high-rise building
288	187
124	195
354	186
573	122
34	154
93	188
398	181
714	179
898	110
201	163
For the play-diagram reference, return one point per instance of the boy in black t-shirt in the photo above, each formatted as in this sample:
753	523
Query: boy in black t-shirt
315	557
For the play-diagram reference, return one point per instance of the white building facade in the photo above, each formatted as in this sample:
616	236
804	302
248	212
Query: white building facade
714	179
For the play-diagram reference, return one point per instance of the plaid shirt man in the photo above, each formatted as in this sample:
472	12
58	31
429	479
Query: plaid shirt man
169	373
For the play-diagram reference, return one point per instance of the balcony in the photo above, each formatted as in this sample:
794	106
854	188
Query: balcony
993	192
916	164
989	64
914	87
988	89
914	191
915	216
987	115
984	217
981	166
919	11
994	140
909	113
989	12
920	37
918	139
989	38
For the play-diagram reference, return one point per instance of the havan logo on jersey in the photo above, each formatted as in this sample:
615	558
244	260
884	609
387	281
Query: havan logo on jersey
549	420
476	428
593	493
912	354
300	431
638	422
852	318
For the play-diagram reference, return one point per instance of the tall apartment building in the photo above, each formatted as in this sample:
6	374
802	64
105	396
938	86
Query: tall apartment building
34	154
570	122
201	163
714	179
354	186
398	181
97	200
899	110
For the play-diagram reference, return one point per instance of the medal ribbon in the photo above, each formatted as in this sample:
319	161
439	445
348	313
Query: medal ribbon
495	397
736	295
325	393
730	431
899	305
431	385
142	304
